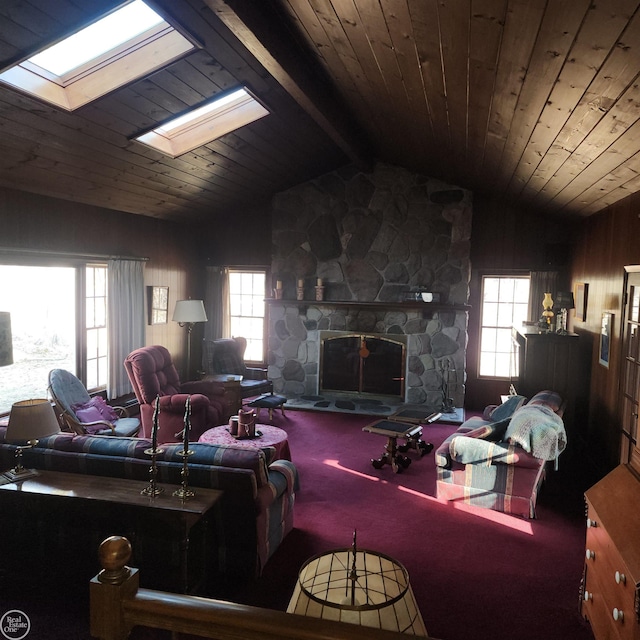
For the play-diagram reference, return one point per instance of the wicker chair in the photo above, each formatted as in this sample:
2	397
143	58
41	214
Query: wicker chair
85	415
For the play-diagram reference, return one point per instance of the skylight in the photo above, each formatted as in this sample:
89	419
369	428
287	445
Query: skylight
205	123
96	39
119	48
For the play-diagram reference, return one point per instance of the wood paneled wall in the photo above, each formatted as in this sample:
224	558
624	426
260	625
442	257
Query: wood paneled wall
240	238
38	223
506	239
605	244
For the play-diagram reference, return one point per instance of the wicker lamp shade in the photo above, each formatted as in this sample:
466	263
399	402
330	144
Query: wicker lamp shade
359	587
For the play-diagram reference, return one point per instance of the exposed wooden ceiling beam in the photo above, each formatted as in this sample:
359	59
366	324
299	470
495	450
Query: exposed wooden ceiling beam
265	38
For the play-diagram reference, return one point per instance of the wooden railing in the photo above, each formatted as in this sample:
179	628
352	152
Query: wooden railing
118	605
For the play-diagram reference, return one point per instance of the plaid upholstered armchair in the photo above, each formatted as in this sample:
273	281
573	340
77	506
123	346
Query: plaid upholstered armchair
226	356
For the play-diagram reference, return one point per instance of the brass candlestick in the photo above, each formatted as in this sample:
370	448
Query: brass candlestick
152	489
184	493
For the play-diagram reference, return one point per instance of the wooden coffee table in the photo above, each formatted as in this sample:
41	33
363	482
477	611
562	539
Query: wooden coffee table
393	453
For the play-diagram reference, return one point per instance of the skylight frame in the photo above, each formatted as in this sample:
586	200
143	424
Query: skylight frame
143	54
175	141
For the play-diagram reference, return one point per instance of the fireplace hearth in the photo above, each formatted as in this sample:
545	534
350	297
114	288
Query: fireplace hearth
362	363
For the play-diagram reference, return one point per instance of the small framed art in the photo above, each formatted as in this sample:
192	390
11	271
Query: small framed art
605	338
158	304
580	298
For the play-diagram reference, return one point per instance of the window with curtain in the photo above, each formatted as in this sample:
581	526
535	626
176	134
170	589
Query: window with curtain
59	319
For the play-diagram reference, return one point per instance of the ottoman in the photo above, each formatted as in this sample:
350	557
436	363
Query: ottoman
268	401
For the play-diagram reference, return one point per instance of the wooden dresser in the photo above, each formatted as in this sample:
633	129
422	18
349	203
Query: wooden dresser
611	585
548	361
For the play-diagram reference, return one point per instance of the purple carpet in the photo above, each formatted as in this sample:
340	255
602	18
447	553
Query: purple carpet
475	573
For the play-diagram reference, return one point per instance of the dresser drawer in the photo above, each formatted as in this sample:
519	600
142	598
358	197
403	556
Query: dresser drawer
611	594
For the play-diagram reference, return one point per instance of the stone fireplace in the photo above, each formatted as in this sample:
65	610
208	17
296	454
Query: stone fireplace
376	240
359	362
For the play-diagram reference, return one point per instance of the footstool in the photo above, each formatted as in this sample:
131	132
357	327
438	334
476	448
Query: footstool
393	453
269	401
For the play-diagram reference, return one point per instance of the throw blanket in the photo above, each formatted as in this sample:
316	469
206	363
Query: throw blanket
539	431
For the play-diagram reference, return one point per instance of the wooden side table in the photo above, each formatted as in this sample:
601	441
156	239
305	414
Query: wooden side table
232	390
98	506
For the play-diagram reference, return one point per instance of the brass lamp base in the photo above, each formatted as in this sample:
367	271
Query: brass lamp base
19	473
16	475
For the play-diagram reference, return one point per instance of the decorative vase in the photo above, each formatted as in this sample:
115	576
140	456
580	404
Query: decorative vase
246	423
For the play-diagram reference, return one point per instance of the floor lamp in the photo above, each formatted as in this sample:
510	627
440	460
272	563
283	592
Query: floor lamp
186	314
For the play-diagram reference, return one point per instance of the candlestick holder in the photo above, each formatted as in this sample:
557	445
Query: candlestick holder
319	293
184	493
152	489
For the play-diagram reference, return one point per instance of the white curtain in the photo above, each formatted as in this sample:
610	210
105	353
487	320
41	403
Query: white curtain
541	282
216	304
126	320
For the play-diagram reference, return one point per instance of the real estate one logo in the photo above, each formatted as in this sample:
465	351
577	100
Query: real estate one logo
15	625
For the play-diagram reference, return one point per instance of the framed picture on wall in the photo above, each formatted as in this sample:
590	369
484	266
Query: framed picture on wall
605	335
158	304
580	298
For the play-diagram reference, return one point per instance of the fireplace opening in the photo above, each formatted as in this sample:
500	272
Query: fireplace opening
362	363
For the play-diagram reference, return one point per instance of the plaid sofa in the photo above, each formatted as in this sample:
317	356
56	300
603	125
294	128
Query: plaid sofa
480	465
259	492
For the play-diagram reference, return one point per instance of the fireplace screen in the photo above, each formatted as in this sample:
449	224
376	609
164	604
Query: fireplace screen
362	364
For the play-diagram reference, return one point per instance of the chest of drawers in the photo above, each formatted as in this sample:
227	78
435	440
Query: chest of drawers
611	586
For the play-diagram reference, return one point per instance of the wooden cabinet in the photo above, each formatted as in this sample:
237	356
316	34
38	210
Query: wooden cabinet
232	391
611	596
630	373
547	361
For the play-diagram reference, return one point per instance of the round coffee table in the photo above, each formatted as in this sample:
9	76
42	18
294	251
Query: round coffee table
271	437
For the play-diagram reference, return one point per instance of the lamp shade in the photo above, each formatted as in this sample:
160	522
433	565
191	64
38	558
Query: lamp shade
564	300
359	587
6	343
189	311
31	420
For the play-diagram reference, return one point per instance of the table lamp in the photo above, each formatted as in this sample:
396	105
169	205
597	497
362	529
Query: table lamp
564	301
186	314
29	420
359	587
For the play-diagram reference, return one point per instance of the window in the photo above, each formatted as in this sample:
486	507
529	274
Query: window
122	46
50	330
96	326
247	310
505	302
204	124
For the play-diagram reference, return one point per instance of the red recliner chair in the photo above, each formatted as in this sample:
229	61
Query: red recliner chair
152	373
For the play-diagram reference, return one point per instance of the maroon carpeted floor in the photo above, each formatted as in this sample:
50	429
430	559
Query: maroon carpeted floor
475	573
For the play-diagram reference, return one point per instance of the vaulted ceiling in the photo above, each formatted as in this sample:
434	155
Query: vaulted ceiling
536	102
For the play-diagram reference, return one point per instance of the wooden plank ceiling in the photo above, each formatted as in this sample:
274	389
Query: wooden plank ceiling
536	102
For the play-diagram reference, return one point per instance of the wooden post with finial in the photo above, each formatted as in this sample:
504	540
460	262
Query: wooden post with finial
114	584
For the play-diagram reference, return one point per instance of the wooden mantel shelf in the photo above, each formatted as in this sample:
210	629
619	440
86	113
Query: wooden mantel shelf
408	306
